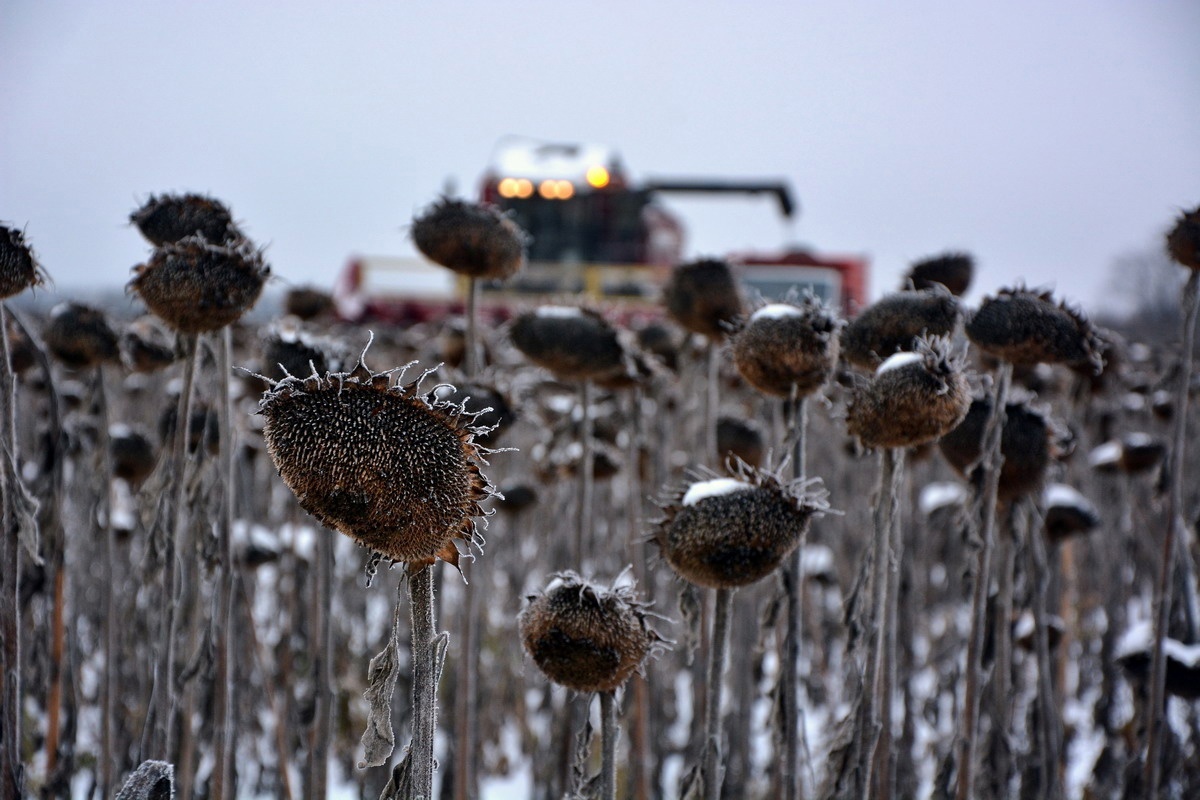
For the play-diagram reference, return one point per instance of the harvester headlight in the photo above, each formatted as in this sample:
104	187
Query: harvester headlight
597	177
509	187
524	188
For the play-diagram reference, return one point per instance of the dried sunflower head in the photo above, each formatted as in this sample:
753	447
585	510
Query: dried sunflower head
741	439
167	218
1141	452
1068	513
584	636
662	340
472	239
21	353
1022	326
1183	242
573	343
133	454
203	427
952	270
145	347
19	267
379	460
307	303
79	336
729	532
290	349
493	413
893	324
703	297
1025	444
787	345
913	398
195	286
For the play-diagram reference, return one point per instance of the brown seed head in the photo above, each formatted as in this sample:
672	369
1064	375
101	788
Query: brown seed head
144	346
573	343
913	398
166	219
516	497
1024	443
952	270
21	352
196	287
740	439
787	345
19	267
1141	452
730	532
894	322
289	349
1027	327
586	637
306	303
79	336
493	414
1183	242
662	340
472	239
703	297
1068	513
384	464
203	428
133	454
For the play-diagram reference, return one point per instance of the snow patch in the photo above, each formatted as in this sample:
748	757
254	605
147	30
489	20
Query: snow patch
1186	654
817	559
897	361
776	311
713	488
1138	638
1063	496
557	312
1138	439
1105	454
941	495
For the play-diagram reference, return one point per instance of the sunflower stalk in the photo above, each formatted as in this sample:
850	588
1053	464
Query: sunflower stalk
875	733
790	719
467	678
158	731
887	761
992	459
1176	528
108	692
1049	730
223	722
11	771
608	746
426	645
718	655
322	730
587	478
641	758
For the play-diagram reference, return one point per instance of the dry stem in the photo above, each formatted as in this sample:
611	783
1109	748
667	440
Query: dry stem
992	459
1175	527
608	747
718	654
11	771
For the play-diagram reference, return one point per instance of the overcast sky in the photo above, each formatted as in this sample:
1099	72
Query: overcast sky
1047	138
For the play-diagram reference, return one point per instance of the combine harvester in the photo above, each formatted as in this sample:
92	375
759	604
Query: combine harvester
595	234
